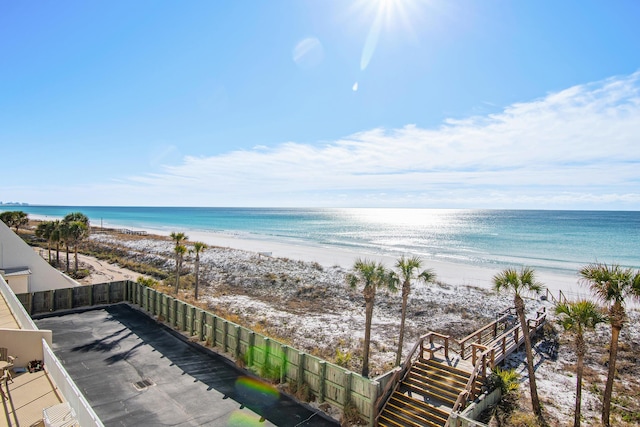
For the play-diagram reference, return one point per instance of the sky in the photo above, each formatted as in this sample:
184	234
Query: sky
321	103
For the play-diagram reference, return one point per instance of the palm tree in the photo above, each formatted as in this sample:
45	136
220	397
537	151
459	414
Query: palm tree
613	285
197	248
372	275
77	216
180	250
408	268
577	317
65	237
77	232
520	283
44	230
56	237
14	219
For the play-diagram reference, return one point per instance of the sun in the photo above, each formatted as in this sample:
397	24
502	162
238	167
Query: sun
387	15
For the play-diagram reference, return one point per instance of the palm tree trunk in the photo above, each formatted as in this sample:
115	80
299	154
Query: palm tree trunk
178	262
57	253
613	354
49	249
197	277
535	402
67	250
75	258
367	336
579	369
405	299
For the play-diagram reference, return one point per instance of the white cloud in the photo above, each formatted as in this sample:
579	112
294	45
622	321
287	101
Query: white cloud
578	148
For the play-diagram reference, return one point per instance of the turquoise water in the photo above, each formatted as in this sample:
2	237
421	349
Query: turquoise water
560	241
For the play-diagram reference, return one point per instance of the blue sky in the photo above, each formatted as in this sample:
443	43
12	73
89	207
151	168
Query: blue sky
389	103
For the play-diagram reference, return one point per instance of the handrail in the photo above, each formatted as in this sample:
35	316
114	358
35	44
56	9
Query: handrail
400	374
478	333
480	365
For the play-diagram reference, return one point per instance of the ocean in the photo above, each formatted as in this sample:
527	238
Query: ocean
554	241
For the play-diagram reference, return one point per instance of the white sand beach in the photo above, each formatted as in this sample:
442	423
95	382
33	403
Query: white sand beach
448	272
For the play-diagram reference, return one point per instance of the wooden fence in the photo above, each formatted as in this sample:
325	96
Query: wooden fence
266	357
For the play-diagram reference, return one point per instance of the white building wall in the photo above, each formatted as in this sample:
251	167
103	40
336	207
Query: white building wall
14	252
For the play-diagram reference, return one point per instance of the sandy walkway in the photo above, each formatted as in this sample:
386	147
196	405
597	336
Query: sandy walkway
103	272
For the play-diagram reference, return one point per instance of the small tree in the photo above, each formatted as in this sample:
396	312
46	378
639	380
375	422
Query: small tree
577	317
372	275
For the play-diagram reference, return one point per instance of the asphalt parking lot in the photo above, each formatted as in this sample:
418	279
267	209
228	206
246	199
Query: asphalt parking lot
136	372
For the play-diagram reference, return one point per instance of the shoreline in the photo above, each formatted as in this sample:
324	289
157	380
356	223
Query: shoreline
457	274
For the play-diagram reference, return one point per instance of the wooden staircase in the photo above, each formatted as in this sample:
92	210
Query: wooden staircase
426	395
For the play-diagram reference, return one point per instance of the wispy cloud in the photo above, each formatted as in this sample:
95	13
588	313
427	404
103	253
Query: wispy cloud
578	148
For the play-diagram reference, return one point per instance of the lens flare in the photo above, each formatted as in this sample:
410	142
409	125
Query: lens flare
243	419
257	392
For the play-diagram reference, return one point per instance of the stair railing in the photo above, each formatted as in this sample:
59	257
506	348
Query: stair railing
426	343
490	330
487	357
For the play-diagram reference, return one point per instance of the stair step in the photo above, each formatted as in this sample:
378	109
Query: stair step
443	367
405	419
432	384
439	376
446	398
433	413
404	411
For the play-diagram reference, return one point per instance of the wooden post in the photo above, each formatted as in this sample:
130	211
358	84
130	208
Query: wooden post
283	367
193	320
301	358
212	332
252	343
224	335
236	352
201	325
322	374
267	347
373	393
347	388
446	348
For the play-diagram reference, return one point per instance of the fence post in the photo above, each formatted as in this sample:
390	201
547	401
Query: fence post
225	326
267	347
236	351
283	367
301	358
252	343
213	330
202	318
323	373
373	392
347	388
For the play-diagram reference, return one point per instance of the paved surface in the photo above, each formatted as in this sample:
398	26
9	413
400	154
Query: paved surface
107	351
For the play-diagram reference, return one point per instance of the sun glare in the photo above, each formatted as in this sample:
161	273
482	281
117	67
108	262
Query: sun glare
387	15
